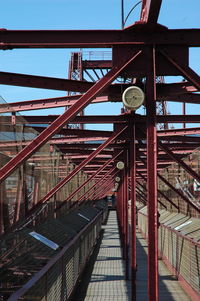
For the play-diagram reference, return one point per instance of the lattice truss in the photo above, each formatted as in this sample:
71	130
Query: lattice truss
51	163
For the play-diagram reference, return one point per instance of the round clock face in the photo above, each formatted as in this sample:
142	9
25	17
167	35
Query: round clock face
120	165
117	179
133	98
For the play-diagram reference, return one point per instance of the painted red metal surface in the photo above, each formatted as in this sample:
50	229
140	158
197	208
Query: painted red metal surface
150	11
89	192
89	179
125	217
10	39
64	118
46	103
25	80
186	71
177	132
81	165
134	40
132	158
152	178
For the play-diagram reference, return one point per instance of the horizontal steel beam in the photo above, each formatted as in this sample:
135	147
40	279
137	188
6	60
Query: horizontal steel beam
77	132
46	103
42	82
96	64
10	39
186	98
178	132
51	141
91	119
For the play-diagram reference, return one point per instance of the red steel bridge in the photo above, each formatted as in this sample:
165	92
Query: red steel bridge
52	164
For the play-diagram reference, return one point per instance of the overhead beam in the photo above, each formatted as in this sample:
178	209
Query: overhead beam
81	166
173	89
10	39
66	117
52	141
42	82
77	132
178	132
92	119
97	172
46	103
187	98
97	64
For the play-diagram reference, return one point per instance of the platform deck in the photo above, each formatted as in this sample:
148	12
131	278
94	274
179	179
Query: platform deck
107	280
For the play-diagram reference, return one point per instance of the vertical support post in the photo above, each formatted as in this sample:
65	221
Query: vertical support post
152	178
133	210
125	214
184	112
119	210
122	216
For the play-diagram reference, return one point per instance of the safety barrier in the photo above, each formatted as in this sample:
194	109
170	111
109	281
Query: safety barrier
75	236
179	247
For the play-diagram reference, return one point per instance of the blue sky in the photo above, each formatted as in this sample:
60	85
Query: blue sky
78	14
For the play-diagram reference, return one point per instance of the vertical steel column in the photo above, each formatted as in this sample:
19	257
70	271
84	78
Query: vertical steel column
125	215
119	204
126	219
122	217
152	177
133	210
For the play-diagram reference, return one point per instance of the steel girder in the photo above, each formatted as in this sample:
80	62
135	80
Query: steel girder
152	177
89	191
124	118
89	179
150	11
42	82
81	165
66	117
138	37
46	103
132	159
10	39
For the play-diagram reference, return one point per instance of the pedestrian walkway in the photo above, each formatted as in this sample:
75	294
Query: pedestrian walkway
107	282
104	279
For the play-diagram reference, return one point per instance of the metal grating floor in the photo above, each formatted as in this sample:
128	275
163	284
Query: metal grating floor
108	275
108	278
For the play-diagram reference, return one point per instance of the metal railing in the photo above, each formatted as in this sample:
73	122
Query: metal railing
179	252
